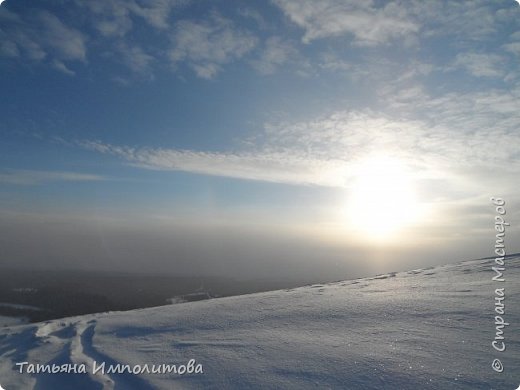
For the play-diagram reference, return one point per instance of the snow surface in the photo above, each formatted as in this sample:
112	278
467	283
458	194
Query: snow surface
422	329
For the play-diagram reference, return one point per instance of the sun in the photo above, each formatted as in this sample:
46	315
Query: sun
382	199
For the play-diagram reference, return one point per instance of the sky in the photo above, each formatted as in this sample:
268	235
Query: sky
283	138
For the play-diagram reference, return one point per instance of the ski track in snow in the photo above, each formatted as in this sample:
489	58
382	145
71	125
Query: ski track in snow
422	329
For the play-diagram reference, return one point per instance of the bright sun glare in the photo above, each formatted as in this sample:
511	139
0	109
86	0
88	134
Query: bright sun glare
382	199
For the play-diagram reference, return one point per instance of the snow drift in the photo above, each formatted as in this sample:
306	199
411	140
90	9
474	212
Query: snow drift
422	329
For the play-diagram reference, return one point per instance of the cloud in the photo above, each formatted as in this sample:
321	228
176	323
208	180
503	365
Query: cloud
513	47
207	45
42	35
451	137
158	11
471	138
69	43
276	52
332	62
471	21
30	177
135	57
114	20
369	25
142	35
8	48
59	65
371	70
471	113
270	166
114	17
250	13
480	65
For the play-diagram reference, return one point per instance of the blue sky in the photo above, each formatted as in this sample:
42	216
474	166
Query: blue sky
281	124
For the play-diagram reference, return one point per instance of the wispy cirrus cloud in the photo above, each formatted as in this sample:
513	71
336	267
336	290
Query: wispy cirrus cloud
40	37
369	25
429	146
467	113
443	138
142	35
114	20
45	37
480	64
207	45
265	165
513	47
32	177
134	57
275	53
115	17
464	21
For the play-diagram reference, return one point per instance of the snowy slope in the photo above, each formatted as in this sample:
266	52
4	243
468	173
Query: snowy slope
423	329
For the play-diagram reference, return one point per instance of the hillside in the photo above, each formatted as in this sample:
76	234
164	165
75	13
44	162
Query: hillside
422	329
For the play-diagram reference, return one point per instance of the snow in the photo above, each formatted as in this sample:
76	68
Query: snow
422	329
